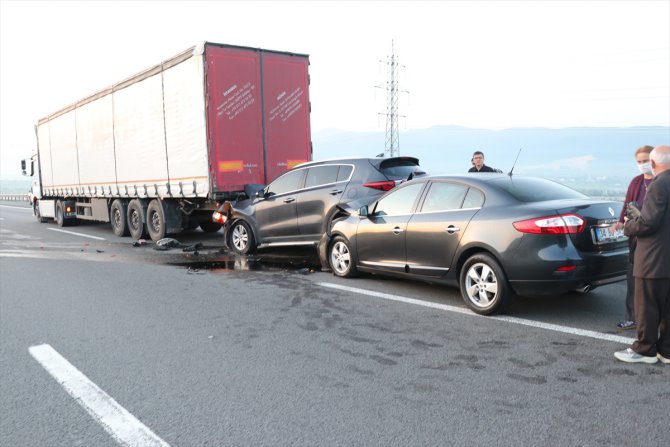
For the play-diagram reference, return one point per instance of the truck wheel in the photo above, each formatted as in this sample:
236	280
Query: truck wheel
484	285
241	238
156	220
38	215
136	219
210	227
119	219
60	219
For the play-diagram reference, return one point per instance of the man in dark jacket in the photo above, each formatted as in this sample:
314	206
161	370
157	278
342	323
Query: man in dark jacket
478	163
651	268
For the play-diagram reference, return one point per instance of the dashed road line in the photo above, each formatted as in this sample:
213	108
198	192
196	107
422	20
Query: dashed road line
460	310
125	428
77	234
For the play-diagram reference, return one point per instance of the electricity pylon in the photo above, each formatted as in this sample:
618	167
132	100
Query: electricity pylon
392	140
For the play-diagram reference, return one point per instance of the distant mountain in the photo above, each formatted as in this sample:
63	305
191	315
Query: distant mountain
578	154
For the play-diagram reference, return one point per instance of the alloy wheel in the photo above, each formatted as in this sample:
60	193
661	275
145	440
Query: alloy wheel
340	258
240	237
481	285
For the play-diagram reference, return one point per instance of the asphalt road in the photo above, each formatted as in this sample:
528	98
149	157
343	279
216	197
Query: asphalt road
210	349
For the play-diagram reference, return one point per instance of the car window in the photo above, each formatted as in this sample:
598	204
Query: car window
321	175
287	182
528	189
398	168
474	199
399	201
444	197
344	173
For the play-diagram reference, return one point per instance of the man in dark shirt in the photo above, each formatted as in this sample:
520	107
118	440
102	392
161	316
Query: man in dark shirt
478	161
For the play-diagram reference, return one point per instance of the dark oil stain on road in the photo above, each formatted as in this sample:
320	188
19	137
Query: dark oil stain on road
295	259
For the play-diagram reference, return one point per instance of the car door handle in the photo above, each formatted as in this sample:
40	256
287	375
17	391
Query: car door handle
452	229
289	200
335	192
397	230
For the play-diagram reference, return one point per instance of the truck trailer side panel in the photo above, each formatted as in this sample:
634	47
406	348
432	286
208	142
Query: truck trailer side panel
139	135
95	144
44	149
63	138
186	128
286	109
234	111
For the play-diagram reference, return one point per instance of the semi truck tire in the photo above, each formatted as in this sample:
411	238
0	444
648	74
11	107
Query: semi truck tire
38	215
136	219
118	218
156	220
60	219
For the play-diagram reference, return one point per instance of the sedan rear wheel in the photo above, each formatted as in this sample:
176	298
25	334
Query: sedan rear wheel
340	258
484	285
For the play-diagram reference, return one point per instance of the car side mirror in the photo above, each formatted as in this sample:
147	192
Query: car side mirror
23	167
363	211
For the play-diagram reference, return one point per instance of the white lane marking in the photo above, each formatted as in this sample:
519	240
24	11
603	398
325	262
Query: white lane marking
514	320
125	428
77	234
17	207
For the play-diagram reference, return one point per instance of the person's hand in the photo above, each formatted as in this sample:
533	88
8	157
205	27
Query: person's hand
632	210
617	226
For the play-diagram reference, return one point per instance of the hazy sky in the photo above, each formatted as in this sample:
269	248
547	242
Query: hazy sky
495	65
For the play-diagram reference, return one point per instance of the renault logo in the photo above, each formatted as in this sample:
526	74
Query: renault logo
611	211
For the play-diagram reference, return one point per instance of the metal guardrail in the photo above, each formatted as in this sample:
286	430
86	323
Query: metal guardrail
14	197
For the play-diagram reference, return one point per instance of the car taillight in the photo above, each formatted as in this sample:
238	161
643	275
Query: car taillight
559	224
382	186
219	217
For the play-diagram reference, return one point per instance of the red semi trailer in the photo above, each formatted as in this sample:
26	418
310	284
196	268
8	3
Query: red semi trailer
156	153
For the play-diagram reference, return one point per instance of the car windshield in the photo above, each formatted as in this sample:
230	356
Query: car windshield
527	189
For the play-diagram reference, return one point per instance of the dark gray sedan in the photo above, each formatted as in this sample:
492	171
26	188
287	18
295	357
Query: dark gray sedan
492	235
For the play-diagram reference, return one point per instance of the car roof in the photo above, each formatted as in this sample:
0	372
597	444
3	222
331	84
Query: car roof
354	159
478	177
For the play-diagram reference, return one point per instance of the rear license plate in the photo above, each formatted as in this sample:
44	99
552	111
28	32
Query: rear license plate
605	234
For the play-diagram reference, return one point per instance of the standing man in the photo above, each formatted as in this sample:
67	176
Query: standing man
478	163
651	268
637	192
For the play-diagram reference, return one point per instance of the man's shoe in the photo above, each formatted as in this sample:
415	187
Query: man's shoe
663	359
626	324
630	356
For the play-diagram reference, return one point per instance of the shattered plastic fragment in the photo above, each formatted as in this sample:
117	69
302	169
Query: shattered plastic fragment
194	247
168	242
139	243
